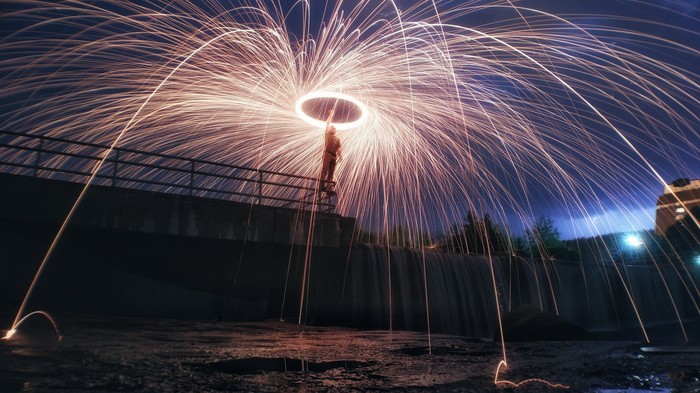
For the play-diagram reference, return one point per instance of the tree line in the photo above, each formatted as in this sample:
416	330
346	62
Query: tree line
482	235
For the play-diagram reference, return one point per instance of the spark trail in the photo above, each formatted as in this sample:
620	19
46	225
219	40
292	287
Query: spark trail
483	106
482	118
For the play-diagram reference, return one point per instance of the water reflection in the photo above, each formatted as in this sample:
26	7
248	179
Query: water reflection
257	365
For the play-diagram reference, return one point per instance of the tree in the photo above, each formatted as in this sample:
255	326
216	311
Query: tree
543	237
477	236
519	245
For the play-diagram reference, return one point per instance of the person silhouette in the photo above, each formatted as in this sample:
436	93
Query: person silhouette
332	154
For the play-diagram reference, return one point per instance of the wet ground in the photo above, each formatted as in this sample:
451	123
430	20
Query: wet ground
104	354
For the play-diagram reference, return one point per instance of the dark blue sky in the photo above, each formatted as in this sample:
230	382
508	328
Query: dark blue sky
666	22
675	21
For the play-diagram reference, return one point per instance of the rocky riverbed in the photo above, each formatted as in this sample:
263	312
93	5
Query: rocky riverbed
104	354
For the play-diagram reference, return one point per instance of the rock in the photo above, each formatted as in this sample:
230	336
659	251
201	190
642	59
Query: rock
528	323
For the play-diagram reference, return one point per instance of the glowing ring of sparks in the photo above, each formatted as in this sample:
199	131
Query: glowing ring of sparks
336	98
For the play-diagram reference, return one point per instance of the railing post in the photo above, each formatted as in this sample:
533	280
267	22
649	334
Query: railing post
38	157
260	184
114	169
191	176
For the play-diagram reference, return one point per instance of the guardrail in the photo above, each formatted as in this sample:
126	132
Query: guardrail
75	161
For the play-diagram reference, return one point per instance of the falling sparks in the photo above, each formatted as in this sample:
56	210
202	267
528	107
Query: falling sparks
478	105
456	116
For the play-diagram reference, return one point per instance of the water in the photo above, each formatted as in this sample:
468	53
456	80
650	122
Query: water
103	354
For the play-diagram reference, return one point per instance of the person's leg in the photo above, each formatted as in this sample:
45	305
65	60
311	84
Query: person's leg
325	167
331	170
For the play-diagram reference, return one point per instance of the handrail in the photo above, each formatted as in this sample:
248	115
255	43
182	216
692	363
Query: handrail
158	172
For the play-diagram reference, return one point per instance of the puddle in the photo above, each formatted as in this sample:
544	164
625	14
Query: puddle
666	349
257	365
447	350
662	390
643	384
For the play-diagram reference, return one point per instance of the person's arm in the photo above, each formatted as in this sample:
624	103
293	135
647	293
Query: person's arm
330	117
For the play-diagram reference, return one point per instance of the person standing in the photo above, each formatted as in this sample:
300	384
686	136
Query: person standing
332	154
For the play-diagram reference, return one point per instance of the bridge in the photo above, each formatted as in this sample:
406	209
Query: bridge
75	161
136	191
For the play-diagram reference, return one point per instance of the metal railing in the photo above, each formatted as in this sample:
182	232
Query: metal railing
75	161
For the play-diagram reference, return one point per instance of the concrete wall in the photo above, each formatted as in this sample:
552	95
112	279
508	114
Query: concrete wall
27	199
117	272
137	253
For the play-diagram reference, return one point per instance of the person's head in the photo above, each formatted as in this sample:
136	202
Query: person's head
331	129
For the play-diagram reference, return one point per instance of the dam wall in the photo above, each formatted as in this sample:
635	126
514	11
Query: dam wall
133	253
142	253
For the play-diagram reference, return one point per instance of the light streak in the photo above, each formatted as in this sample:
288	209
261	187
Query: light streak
482	117
12	331
503	363
455	114
321	123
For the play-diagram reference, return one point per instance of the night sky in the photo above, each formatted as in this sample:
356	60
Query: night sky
681	15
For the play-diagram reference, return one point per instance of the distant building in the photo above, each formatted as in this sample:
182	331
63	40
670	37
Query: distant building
669	209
